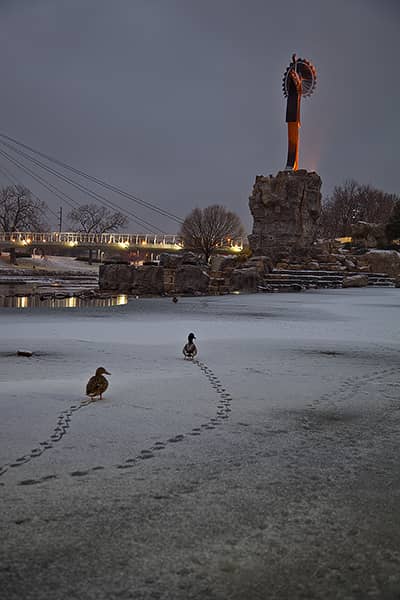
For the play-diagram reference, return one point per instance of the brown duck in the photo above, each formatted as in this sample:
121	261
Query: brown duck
97	385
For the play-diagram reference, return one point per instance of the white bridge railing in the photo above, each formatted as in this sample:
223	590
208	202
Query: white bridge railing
28	238
123	240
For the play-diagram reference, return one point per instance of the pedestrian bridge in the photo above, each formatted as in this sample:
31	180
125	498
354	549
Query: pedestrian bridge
115	241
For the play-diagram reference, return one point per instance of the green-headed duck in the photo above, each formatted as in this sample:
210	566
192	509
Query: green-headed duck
189	349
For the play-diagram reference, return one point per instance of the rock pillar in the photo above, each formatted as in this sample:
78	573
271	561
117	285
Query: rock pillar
286	210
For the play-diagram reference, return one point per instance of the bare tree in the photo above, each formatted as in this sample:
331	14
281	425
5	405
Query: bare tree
352	202
393	224
19	211
204	229
91	218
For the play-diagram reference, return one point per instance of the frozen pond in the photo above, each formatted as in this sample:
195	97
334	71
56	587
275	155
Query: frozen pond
286	433
272	352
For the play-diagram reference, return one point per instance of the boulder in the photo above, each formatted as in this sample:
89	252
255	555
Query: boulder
171	260
245	279
131	280
313	265
224	263
323	258
349	264
190	258
116	277
263	264
381	261
355	281
148	280
321	247
190	279
369	235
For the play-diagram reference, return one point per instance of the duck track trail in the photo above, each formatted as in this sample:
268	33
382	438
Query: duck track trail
64	421
336	399
63	424
345	390
222	413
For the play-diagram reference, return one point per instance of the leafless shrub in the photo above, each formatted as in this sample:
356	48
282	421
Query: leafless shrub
204	229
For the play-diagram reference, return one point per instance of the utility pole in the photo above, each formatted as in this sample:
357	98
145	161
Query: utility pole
60	220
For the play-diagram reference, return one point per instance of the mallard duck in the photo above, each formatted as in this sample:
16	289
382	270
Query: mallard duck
189	349
97	385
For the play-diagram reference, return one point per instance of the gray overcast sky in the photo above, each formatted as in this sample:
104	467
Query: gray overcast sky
180	101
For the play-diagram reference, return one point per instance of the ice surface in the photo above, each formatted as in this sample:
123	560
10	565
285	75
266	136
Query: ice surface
295	492
269	350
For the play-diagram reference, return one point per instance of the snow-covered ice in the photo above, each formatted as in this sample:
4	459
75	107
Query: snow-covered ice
314	382
50	263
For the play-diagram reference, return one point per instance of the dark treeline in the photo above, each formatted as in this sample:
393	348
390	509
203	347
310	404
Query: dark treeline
353	202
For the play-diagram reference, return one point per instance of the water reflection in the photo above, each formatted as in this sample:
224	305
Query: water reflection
22	302
71	302
40	301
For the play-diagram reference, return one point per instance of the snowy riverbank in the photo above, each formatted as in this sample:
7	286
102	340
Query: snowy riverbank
271	473
36	276
47	263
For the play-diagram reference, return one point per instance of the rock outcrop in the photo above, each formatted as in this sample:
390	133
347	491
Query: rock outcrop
369	235
245	279
381	261
355	281
286	209
173	261
132	280
148	280
336	266
116	277
191	279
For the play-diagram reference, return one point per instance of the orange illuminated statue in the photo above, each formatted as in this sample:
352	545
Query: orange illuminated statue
299	80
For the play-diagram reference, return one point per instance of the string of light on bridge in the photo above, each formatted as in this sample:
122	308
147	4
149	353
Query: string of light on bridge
123	241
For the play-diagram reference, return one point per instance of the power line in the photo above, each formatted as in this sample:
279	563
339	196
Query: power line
98	197
8	175
15	181
49	186
52	188
98	181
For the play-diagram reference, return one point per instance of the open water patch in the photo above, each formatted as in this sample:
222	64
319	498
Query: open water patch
60	300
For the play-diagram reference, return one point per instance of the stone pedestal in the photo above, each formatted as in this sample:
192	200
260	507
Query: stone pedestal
286	209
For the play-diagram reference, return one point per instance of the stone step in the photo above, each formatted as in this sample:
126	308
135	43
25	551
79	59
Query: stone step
310	278
284	278
324	280
318	272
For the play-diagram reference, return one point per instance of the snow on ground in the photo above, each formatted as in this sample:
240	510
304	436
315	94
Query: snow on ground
296	492
49	263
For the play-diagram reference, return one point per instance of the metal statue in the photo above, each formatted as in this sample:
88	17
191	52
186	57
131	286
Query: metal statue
299	80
